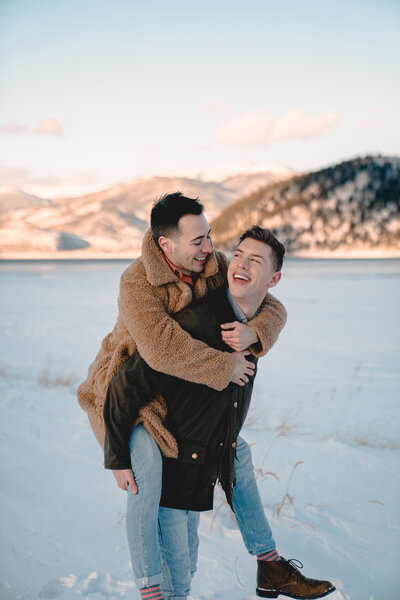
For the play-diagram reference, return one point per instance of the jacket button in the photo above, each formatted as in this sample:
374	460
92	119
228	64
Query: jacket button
234	445
194	455
235	404
221	443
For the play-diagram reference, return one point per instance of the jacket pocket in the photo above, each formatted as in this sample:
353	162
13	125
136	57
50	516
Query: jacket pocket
191	453
181	475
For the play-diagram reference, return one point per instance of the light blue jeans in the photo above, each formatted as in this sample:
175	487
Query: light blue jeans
163	542
179	542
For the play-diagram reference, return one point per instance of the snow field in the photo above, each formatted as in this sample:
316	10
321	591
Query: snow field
323	426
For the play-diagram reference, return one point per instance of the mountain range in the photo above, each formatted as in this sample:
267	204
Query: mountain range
351	209
110	222
348	209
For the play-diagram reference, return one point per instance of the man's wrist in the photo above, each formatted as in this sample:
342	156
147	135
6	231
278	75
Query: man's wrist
256	339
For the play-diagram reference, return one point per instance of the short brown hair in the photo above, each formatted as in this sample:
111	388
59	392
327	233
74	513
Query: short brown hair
261	234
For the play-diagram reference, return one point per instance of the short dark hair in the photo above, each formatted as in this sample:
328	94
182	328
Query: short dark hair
167	211
261	234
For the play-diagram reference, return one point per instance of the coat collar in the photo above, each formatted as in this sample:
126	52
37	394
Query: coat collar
157	270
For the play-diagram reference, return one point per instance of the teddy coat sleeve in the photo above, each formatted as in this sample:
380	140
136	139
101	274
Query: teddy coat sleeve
268	324
133	386
163	344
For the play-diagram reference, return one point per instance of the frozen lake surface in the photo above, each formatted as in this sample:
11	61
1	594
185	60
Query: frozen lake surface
324	428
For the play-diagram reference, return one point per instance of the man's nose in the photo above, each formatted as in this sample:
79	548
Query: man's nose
243	263
207	246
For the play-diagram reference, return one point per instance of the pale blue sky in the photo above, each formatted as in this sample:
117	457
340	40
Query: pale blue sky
161	87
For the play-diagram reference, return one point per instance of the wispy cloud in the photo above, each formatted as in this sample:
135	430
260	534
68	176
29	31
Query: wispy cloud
255	128
298	123
45	127
49	127
13	127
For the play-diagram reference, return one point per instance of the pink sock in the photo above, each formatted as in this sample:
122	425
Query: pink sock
267	556
151	593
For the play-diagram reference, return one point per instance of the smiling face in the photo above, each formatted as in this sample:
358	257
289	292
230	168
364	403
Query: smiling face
251	273
188	247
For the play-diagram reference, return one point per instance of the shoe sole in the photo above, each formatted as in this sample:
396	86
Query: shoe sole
274	594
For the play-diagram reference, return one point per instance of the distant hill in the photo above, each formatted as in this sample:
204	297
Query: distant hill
349	209
111	222
11	200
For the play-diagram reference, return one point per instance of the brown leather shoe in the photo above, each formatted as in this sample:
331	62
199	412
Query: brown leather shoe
281	577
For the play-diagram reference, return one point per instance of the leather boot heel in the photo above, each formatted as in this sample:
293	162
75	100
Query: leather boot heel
266	594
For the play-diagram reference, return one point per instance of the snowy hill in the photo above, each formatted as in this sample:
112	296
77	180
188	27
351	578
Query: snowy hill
349	209
11	199
110	222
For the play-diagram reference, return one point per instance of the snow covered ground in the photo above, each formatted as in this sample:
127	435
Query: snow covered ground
324	426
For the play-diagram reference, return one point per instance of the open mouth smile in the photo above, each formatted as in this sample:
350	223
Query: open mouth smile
238	277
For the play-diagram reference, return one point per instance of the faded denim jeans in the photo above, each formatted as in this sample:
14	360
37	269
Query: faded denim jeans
163	542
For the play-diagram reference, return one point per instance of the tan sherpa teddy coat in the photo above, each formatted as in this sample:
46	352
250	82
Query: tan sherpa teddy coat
149	293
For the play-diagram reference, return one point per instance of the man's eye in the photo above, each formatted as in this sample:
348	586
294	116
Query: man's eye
197	243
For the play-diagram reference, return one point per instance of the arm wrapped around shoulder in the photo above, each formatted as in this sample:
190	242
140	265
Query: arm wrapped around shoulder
268	324
163	344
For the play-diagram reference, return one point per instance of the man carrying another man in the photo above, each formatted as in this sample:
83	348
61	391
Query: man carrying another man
179	255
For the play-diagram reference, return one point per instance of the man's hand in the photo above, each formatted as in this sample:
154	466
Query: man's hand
124	479
243	368
238	336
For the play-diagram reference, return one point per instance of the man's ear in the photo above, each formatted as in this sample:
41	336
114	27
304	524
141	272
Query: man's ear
165	244
276	277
